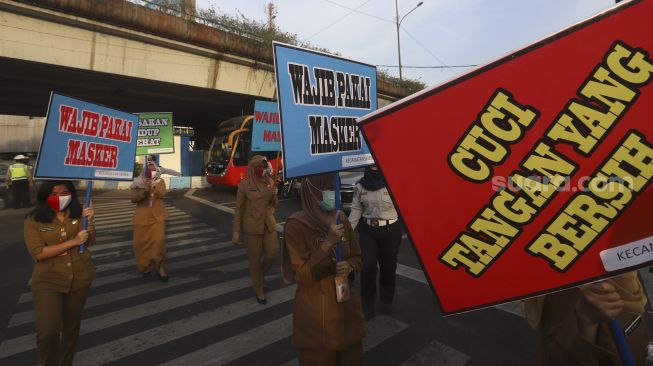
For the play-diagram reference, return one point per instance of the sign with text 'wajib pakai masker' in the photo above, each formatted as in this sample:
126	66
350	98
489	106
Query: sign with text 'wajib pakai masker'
266	129
155	133
320	97
83	140
531	174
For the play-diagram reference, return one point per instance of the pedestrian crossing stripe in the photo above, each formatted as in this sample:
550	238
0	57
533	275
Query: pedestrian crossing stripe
191	245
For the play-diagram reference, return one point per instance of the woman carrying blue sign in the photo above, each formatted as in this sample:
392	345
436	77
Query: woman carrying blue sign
148	191
573	324
327	328
62	273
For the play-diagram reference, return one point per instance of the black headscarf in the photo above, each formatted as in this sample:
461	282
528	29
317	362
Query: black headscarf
372	179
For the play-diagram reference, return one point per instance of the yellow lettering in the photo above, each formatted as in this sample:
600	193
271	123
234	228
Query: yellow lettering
557	254
564	130
485	251
635	69
595	122
515	209
606	188
457	255
549	164
484	145
469	165
494	227
538	192
592	212
608	91
579	235
632	161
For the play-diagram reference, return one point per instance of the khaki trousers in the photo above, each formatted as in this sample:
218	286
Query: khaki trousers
58	317
352	356
261	252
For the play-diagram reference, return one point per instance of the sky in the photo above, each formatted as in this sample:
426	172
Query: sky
437	33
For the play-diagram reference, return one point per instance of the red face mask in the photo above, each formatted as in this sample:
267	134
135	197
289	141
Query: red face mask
59	203
258	171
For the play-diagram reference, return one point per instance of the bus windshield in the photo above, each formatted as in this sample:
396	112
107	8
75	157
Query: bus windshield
238	130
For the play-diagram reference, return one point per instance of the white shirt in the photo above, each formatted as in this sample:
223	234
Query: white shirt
371	205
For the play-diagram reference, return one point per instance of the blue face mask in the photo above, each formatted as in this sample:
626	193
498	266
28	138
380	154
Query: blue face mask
328	202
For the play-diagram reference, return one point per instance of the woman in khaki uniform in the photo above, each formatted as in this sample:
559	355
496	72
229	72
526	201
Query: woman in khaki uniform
256	201
62	275
325	331
573	328
148	191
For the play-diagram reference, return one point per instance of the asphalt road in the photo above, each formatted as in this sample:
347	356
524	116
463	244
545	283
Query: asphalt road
206	313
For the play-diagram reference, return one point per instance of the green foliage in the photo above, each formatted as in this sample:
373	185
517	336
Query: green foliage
249	28
261	32
409	85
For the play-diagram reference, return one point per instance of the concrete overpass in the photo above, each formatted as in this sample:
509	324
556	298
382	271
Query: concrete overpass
132	58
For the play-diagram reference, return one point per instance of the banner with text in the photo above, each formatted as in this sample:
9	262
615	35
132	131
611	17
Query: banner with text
531	174
266	131
155	133
320	97
82	140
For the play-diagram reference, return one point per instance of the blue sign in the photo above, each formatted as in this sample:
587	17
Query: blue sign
86	141
266	132
320	97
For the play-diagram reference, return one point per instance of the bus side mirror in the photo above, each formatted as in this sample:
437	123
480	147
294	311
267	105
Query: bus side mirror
232	136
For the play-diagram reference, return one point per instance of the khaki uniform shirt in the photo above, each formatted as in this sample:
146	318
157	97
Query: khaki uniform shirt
64	273
371	205
144	214
249	221
319	321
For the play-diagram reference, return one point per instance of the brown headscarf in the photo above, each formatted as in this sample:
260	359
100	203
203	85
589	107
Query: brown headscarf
259	190
312	215
627	285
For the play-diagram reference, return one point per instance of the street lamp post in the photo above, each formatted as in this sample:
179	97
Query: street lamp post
399	25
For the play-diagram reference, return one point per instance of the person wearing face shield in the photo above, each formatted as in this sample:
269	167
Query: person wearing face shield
62	274
147	192
327	328
376	219
256	202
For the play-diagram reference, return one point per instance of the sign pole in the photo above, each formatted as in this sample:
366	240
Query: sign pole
89	188
336	185
617	333
620	342
276	166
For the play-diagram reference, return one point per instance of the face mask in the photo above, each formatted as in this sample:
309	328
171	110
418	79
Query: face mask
59	203
258	171
328	202
375	174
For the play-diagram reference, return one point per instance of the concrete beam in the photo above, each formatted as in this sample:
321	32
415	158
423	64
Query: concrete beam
219	44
